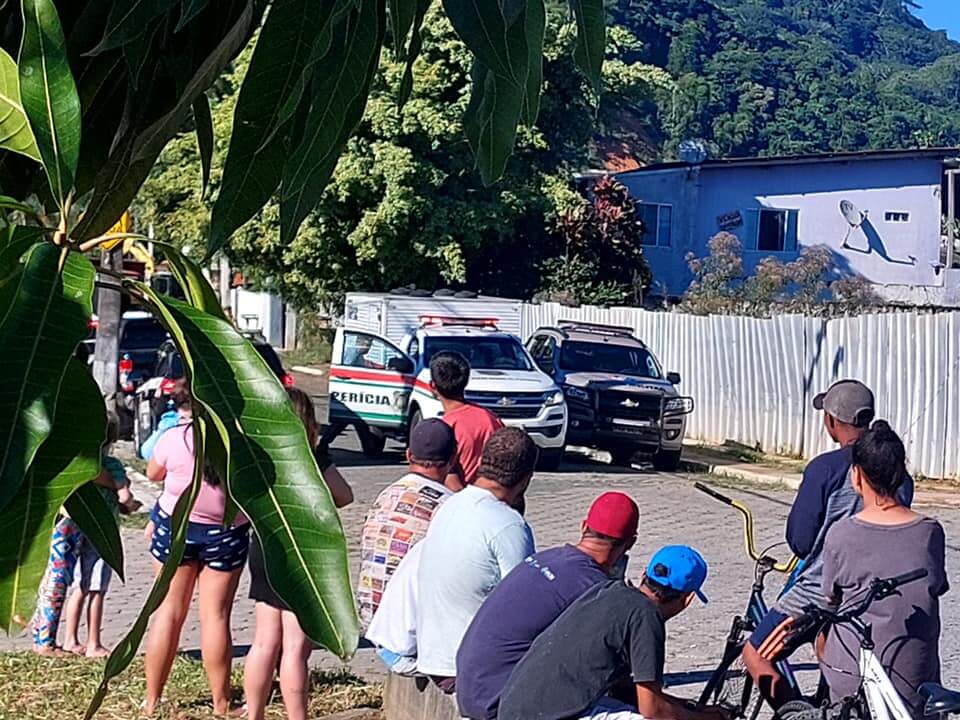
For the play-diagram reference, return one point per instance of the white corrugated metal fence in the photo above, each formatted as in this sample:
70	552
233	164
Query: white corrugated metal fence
753	379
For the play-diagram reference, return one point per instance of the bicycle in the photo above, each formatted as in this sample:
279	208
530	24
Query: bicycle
876	697
730	685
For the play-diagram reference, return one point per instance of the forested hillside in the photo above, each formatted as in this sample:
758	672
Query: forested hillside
761	77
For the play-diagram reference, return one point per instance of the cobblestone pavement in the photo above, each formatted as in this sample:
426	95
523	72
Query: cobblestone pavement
672	511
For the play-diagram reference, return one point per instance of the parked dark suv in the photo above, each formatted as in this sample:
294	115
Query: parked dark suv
618	398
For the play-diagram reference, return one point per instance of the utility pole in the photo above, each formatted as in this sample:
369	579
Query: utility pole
107	348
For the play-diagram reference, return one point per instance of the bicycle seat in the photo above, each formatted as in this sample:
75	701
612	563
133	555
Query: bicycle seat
939	700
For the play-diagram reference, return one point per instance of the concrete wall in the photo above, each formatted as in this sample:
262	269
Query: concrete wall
885	253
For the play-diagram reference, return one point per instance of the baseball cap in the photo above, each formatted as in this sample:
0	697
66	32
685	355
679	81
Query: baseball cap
849	401
615	515
432	441
681	568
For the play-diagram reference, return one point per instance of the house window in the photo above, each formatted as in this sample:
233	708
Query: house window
895	216
657	223
772	235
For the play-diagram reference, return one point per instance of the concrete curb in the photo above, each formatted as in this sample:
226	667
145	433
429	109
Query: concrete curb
739	471
307	370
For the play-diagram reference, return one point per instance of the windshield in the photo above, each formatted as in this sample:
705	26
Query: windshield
484	353
146	334
603	357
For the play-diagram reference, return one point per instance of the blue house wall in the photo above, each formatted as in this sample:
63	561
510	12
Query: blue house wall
898	243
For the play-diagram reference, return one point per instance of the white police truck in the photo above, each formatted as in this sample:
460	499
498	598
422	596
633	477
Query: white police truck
380	369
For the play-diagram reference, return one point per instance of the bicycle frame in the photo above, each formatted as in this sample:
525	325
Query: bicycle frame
881	696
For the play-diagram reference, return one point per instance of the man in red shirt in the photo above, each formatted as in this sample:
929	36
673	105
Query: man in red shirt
472	425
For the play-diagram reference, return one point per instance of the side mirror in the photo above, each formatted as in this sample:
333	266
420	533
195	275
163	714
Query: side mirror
402	365
673	378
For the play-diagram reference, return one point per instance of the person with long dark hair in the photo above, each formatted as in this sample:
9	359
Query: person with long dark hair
212	561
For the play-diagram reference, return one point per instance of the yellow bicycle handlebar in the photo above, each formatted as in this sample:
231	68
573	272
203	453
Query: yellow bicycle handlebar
748	538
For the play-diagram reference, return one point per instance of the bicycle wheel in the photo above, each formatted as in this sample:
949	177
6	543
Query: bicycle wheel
732	687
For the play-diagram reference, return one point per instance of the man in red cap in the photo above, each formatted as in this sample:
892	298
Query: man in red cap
533	595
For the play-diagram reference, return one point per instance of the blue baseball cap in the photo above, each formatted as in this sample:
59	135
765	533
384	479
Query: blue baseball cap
680	568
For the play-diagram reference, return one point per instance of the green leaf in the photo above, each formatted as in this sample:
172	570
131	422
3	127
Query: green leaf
50	95
66	461
126	650
339	98
188	273
129	20
9	203
416	45
95	518
119	180
491	119
15	240
189	9
591	39
39	332
482	26
402	14
273	476
204	123
274	81
15	132
534	31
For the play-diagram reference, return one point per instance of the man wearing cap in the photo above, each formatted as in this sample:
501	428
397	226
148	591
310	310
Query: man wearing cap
613	633
533	595
825	496
474	541
402	511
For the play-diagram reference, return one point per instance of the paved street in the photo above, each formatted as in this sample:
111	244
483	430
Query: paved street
672	511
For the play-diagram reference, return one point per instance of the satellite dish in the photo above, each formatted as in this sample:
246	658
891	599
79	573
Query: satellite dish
853	216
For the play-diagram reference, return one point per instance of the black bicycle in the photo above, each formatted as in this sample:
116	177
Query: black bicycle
730	685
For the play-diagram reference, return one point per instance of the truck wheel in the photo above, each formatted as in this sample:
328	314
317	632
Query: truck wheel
622	455
416	417
371	443
550	459
667	460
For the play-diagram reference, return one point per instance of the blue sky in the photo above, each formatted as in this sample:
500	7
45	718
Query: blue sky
941	15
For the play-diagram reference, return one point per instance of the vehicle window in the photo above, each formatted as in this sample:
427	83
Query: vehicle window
547	351
176	367
368	351
269	354
484	353
603	357
536	345
146	334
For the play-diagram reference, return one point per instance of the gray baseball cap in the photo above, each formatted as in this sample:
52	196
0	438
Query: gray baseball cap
849	401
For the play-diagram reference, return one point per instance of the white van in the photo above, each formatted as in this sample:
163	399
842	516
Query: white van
380	370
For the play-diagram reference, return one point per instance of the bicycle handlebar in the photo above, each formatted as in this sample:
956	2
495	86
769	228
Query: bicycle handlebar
748	538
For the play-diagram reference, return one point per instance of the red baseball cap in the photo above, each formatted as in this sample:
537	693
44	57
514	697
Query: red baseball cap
615	515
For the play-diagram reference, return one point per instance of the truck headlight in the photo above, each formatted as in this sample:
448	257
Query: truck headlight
678	406
576	393
554	397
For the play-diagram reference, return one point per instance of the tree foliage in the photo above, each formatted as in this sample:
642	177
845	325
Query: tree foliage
807	285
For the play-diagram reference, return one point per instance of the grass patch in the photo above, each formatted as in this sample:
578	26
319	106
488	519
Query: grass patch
134	521
60	689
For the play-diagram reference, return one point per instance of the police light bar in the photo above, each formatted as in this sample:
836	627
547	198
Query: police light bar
441	320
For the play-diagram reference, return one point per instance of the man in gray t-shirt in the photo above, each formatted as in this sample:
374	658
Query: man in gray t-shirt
906	626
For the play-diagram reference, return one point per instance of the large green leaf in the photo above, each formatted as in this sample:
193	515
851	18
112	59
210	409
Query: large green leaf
274	81
129	20
204	122
482	26
50	95
126	650
15	132
491	119
189	9
188	273
591	39
339	98
39	331
272	476
534	30
402	14
119	180
94	516
69	458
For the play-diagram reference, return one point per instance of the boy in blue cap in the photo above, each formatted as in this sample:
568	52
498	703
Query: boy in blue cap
613	633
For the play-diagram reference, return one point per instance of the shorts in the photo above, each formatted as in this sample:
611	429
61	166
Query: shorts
94	575
215	546
260	589
770	622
